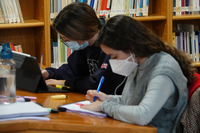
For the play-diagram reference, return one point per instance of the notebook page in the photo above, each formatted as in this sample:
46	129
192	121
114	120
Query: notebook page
75	107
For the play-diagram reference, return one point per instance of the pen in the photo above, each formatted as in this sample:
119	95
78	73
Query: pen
59	97
55	111
41	61
99	86
30	97
23	100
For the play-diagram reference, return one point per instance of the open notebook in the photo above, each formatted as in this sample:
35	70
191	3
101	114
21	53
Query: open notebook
75	107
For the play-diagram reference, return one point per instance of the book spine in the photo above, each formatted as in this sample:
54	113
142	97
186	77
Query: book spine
16	11
12	46
187	6
20	11
51	9
182	7
5	12
2	17
141	8
174	7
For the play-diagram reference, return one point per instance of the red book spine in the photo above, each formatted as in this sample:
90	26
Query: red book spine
12	46
182	6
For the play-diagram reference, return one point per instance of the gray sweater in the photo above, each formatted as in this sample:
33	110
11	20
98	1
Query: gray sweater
147	99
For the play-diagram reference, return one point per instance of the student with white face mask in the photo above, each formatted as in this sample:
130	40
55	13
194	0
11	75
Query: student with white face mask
79	27
157	74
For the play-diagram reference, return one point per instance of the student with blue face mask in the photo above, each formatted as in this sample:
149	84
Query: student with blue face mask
156	90
79	27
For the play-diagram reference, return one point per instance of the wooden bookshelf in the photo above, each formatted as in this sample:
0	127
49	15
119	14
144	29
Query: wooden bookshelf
35	33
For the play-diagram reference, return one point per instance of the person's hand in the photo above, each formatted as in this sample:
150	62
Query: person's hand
45	74
100	95
95	106
54	82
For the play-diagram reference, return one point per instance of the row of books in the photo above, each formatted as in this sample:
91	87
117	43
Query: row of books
107	8
13	47
59	53
181	7
10	11
188	40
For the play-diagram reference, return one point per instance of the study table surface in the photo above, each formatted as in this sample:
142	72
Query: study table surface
68	121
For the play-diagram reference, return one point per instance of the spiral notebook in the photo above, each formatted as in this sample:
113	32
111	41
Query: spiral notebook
75	107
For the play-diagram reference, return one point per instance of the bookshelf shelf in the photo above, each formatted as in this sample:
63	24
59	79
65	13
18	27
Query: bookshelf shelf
153	17
186	17
196	64
27	23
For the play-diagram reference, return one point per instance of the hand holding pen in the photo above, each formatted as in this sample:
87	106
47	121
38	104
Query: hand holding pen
99	86
93	94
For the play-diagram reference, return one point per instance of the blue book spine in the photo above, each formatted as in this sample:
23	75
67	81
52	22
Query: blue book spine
147	3
136	7
141	6
92	3
187	4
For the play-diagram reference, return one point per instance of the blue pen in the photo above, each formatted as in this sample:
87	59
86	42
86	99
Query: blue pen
99	86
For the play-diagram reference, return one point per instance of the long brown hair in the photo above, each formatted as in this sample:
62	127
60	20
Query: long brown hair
77	21
129	35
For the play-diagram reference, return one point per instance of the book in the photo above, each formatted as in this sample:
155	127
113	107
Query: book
3	5
51	9
1	14
23	109
178	7
75	107
188	28
55	10
19	11
12	46
16	11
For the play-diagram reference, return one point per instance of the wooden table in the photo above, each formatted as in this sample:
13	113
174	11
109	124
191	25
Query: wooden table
67	121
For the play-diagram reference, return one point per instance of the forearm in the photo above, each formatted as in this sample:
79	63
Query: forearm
64	72
154	99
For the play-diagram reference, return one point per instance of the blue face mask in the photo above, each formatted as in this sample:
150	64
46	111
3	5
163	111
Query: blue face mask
75	46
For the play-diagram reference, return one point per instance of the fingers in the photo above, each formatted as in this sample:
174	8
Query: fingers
90	95
45	74
50	82
85	107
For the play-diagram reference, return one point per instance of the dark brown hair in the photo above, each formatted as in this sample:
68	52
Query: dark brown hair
129	35
77	21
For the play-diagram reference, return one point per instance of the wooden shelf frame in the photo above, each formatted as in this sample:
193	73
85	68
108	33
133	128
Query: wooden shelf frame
35	33
26	24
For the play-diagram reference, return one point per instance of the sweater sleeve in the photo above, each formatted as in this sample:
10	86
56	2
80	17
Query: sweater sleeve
159	89
69	70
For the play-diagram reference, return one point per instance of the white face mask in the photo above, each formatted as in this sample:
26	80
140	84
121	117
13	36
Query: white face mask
123	67
75	46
